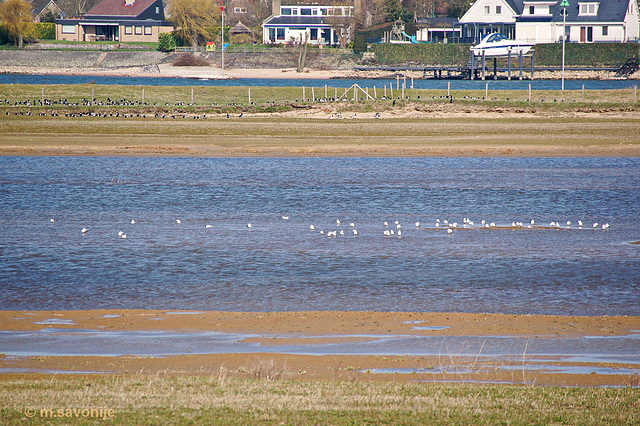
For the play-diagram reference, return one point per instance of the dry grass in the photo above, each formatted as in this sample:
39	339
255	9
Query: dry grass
161	399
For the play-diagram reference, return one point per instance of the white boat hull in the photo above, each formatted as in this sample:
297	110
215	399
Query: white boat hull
495	51
495	45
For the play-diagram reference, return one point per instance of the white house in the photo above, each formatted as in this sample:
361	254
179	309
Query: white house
541	21
317	24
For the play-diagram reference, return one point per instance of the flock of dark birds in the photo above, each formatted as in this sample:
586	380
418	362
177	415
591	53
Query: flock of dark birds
108	102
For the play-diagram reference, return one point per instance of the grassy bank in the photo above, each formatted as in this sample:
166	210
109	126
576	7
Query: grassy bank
218	399
270	99
220	121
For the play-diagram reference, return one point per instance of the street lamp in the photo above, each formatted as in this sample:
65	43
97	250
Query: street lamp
222	34
564	4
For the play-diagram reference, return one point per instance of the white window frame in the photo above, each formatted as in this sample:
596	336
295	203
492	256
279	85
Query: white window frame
68	29
148	30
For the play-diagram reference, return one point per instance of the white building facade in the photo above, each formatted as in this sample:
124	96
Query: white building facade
541	21
315	24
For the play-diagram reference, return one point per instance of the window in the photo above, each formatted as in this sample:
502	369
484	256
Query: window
605	30
239	10
285	11
314	34
305	12
128	29
68	29
323	11
138	30
294	11
157	10
589	34
498	10
280	33
588	9
487	10
148	30
532	10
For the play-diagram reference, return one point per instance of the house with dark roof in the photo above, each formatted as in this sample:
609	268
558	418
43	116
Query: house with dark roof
117	20
315	23
541	21
41	7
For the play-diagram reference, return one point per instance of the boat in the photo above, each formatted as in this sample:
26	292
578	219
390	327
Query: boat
497	44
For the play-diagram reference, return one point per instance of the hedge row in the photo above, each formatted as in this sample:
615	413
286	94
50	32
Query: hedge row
577	54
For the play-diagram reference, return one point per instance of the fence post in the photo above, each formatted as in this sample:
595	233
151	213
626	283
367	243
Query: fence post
304	94
249	95
143	95
448	88
313	94
42	98
325	92
486	91
583	92
192	95
529	92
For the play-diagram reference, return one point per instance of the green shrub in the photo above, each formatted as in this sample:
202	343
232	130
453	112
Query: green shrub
585	54
166	42
453	54
44	31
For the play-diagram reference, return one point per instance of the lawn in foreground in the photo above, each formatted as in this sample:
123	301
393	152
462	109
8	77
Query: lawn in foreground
218	399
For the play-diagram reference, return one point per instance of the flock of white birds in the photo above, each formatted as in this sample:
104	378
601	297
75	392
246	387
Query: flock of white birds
395	229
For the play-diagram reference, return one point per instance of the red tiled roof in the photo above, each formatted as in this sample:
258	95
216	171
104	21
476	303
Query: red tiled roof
117	8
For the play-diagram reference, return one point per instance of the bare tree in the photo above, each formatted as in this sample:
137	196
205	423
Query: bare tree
302	53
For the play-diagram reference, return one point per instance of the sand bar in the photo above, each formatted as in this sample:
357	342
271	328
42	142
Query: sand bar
335	328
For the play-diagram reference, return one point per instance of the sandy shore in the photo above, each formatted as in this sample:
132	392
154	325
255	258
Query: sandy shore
289	329
214	72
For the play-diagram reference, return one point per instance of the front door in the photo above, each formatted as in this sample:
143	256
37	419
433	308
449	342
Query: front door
583	34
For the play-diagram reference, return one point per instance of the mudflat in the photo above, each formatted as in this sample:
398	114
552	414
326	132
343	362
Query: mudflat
278	332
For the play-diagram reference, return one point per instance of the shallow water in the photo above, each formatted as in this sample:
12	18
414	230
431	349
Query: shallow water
282	265
439	84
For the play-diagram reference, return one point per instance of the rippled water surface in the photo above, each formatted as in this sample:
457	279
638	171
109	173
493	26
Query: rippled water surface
280	264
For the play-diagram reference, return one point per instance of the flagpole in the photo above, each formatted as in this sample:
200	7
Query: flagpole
564	5
222	34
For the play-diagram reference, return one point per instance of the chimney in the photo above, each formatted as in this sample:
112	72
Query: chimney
275	7
129	2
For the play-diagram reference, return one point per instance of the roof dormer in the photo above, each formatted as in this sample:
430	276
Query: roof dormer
129	2
588	8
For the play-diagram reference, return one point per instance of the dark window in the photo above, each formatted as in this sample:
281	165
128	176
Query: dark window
314	33
286	11
280	33
605	30
589	34
305	12
532	10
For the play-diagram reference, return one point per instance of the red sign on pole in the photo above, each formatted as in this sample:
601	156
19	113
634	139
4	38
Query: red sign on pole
222	7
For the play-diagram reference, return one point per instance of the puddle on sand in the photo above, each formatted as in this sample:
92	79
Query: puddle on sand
34	370
544	368
413	322
111	316
56	321
431	327
184	313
